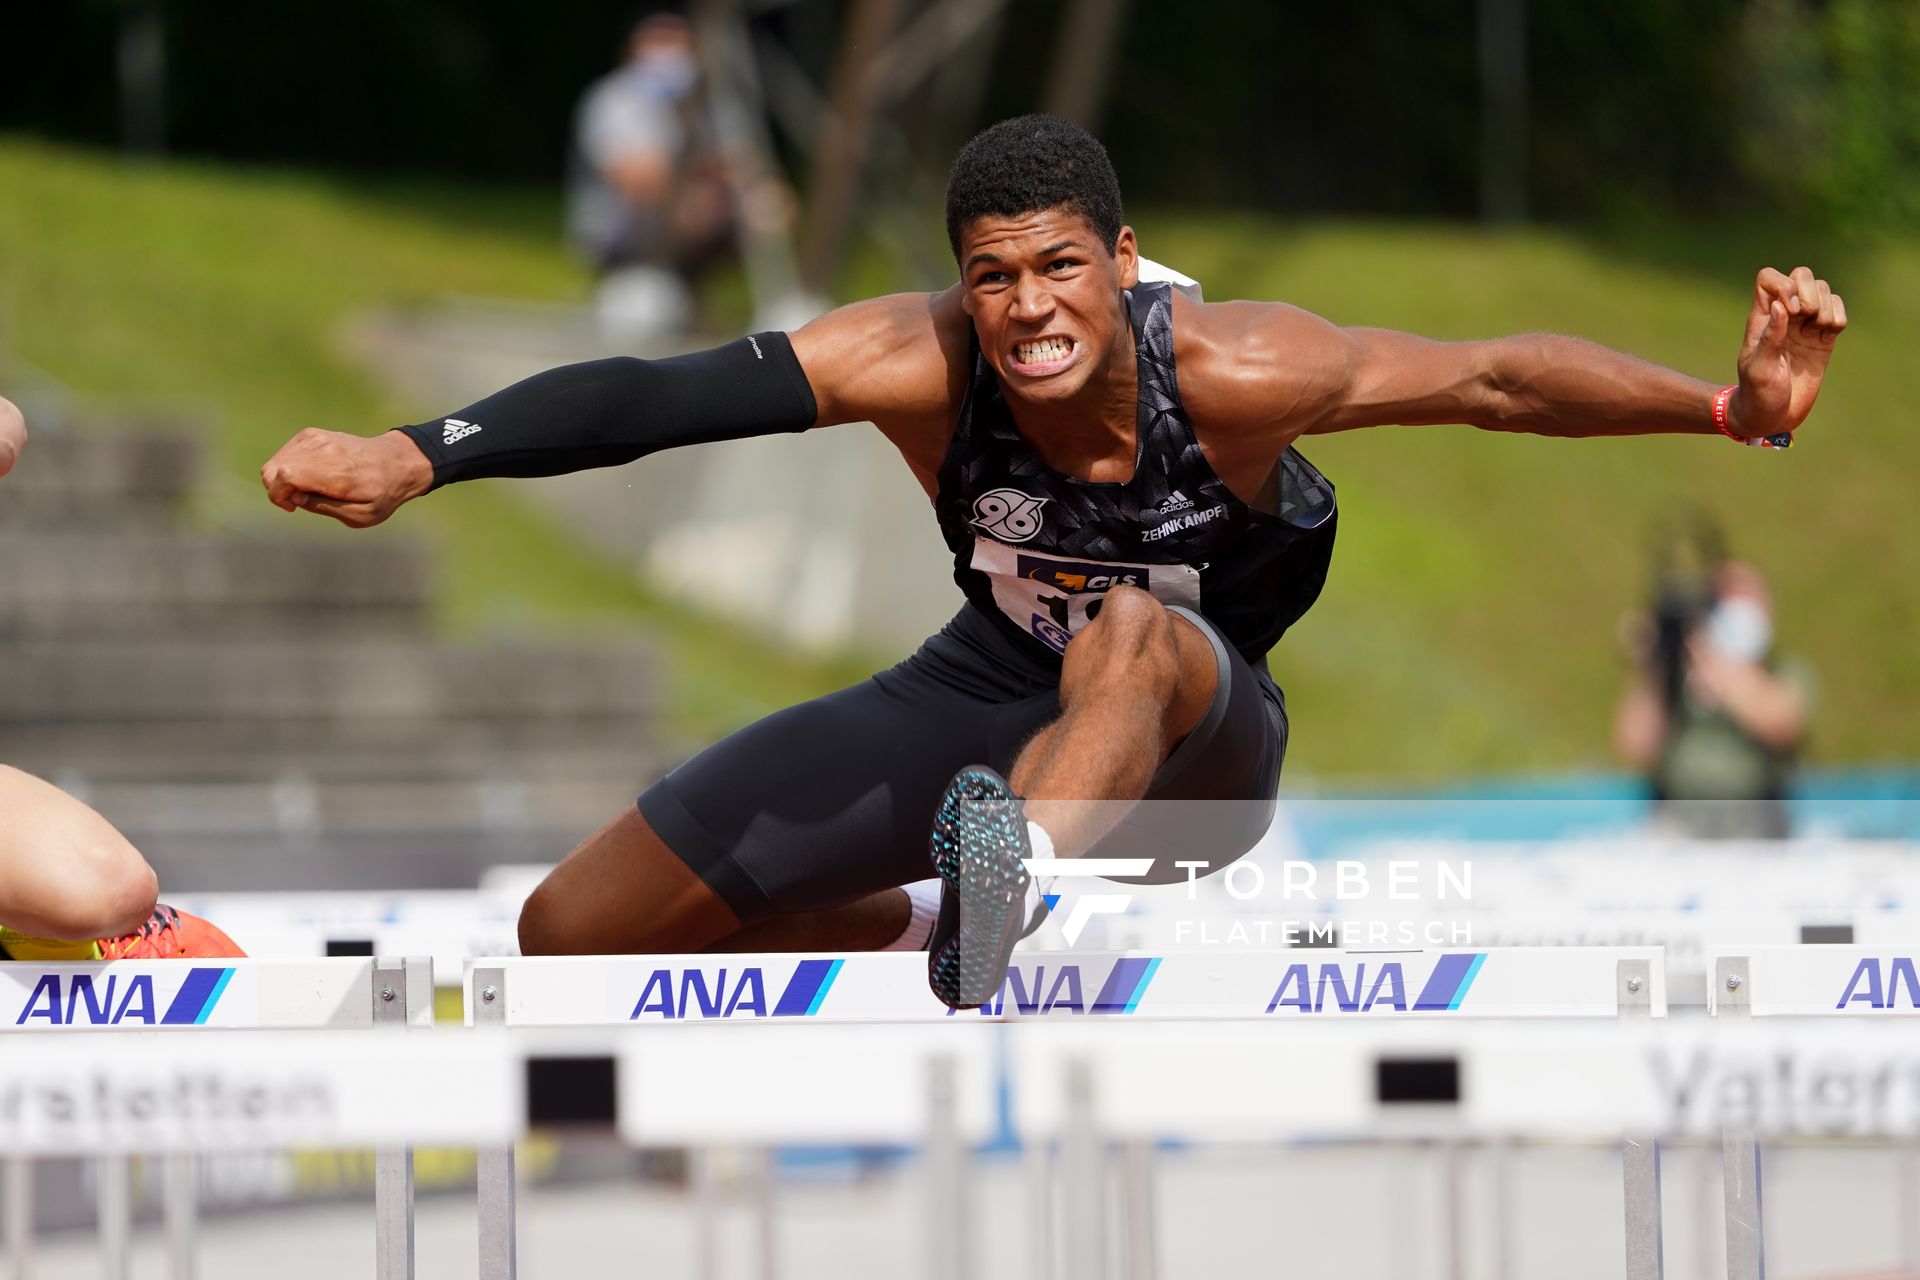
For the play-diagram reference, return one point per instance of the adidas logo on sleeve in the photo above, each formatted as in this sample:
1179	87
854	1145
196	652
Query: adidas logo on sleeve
455	430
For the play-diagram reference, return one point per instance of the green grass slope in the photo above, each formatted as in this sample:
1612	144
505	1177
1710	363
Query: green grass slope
1469	623
1470	619
223	292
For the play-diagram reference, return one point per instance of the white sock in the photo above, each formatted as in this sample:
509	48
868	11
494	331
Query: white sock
1038	887
923	903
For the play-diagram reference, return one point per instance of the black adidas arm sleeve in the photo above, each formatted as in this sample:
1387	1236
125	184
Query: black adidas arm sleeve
607	412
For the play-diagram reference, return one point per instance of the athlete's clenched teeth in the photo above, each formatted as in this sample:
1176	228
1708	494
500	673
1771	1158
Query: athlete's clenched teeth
1043	351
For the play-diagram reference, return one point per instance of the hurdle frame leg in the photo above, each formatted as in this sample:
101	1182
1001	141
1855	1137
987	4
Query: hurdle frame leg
180	1212
113	1204
703	1183
1740	1173
494	1166
114	1211
1500	1157
1908	1183
18	1216
1640	1153
1453	1208
949	1210
766	1217
392	1167
1740	1147
1640	1172
1037	1161
1139	1211
1083	1178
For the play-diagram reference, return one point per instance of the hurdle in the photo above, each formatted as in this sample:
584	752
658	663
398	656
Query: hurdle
1829	981
42	1002
1082	1082
890	988
566	991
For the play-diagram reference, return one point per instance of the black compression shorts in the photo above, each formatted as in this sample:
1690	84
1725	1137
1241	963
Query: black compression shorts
832	800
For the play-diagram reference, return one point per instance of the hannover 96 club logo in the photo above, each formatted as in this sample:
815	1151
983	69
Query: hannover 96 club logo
1008	514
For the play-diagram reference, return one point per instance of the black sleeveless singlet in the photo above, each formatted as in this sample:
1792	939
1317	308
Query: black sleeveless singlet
1036	550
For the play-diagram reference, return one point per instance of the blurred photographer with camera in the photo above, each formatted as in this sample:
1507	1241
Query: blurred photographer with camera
1711	714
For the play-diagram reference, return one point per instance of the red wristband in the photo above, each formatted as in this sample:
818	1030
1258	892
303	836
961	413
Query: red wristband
1783	440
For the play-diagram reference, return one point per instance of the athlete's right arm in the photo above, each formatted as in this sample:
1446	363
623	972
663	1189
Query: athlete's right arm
897	361
849	364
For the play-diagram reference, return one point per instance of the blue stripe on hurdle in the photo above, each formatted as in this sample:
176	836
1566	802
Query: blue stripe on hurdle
1472	972
1141	990
826	985
807	988
1124	985
196	997
1447	984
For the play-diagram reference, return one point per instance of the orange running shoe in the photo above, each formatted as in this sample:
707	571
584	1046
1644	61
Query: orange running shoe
170	935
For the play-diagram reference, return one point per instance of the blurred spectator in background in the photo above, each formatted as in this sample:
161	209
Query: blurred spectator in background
653	194
1711	714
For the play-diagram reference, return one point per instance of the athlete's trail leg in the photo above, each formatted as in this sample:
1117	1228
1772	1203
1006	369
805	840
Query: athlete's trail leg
624	892
1133	685
868	924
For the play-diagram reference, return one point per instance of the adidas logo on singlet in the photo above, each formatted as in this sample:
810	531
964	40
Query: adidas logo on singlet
1176	501
453	429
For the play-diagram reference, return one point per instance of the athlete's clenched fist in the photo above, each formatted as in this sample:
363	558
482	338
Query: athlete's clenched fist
1791	328
358	480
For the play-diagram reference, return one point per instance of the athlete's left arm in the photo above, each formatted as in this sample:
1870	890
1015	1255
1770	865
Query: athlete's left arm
1334	379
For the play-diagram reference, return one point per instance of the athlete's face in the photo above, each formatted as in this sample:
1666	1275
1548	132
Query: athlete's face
1044	294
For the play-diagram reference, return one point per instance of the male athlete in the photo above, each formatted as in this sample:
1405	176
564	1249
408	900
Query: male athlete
71	887
1111	464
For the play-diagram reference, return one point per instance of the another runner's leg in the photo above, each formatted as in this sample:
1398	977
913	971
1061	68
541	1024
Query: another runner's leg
73	888
65	871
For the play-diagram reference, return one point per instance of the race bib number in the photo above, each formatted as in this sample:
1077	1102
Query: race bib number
1053	597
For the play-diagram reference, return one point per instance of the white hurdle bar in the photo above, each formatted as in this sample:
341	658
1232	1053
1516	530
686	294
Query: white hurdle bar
1082	1082
1826	981
46	1005
1290	985
1563	982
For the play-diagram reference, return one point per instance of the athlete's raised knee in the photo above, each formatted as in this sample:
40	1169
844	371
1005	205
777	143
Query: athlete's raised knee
1131	639
1130	607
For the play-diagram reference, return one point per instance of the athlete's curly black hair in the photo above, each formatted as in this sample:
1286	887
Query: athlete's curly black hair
1031	163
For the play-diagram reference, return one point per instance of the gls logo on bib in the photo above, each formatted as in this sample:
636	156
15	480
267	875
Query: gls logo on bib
1008	514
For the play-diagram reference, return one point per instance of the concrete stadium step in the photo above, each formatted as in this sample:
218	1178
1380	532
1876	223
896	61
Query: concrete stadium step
72	479
276	812
197	752
99	582
326	682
